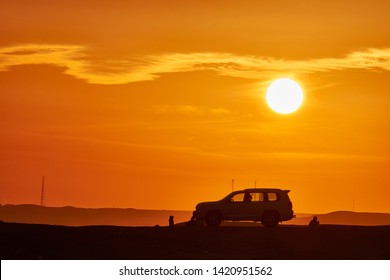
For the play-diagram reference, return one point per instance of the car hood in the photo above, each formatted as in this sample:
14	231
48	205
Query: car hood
206	204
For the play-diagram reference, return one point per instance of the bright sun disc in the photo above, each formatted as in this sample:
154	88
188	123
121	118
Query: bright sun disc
284	96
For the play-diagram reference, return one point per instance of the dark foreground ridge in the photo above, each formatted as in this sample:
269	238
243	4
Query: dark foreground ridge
32	241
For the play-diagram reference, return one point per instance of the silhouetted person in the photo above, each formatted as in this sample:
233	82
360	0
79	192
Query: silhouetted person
171	222
314	223
247	197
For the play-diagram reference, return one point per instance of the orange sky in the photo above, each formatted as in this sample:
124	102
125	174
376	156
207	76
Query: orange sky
159	104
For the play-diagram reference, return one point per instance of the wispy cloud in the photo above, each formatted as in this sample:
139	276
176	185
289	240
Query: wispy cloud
80	64
191	110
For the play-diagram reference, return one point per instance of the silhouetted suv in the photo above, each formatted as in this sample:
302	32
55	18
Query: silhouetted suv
270	206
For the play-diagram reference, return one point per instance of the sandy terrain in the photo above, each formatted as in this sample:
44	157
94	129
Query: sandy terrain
32	241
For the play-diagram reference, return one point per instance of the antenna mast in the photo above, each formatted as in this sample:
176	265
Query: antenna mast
43	192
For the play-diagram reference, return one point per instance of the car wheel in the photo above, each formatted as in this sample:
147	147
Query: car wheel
213	218
270	219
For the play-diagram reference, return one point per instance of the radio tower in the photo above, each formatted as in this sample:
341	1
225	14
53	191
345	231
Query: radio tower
43	192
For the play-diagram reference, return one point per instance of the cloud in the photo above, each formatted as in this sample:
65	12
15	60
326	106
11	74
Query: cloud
191	110
82	65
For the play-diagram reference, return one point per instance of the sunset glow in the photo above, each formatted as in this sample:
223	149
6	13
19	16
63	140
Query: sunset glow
160	104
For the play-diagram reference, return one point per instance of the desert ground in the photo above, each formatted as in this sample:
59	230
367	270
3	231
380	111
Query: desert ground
35	241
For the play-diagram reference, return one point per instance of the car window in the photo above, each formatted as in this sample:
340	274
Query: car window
238	197
257	197
272	196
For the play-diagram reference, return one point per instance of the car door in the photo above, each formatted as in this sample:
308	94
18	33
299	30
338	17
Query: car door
254	209
246	205
234	208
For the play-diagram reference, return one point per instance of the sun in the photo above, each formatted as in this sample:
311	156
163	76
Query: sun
284	96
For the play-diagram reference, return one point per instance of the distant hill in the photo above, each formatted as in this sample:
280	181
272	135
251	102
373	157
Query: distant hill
72	216
345	218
